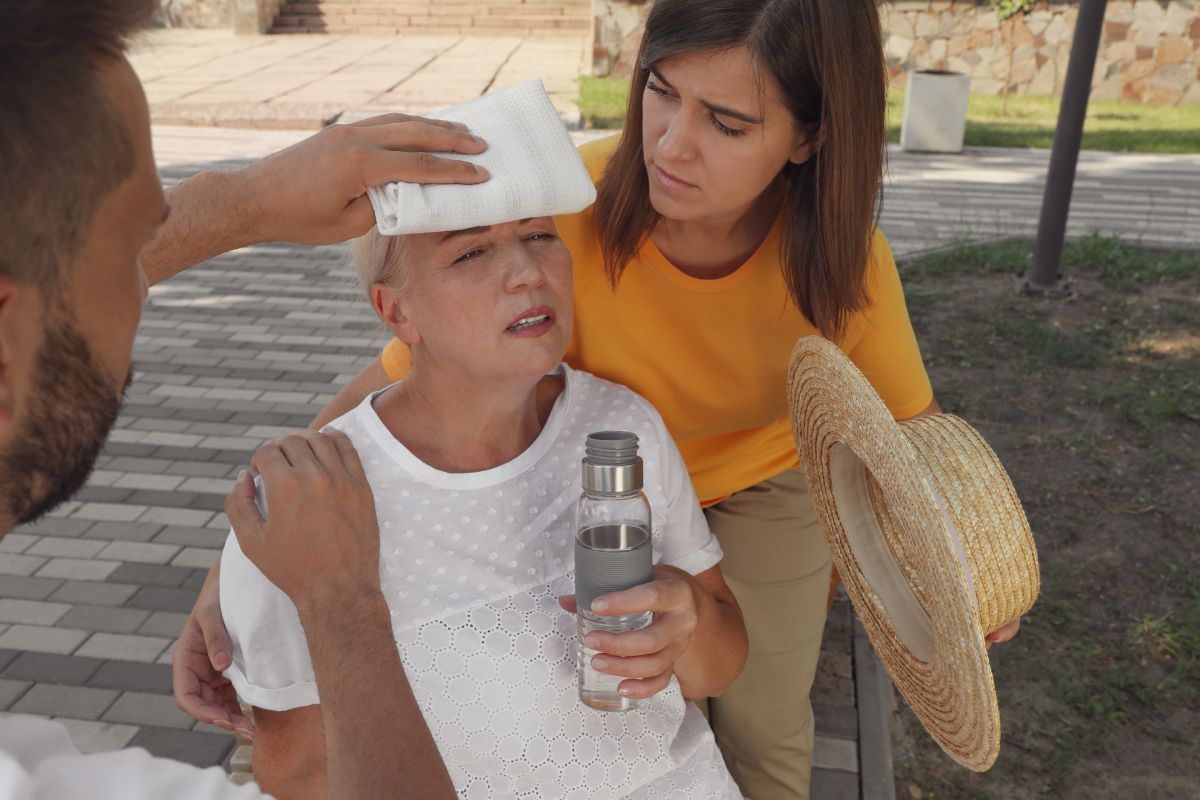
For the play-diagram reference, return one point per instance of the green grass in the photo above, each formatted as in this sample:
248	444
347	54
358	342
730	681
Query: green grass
1028	122
603	100
1119	264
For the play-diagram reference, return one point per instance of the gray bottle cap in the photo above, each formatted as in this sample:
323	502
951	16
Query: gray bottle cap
610	558
611	464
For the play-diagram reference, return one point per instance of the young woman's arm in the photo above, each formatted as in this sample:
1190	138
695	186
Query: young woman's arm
289	753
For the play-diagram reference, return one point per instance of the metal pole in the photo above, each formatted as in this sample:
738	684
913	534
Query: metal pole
1068	136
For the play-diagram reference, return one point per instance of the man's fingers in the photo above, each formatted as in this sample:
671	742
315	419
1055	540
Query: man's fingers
418	135
243	512
394	117
324	449
269	458
348	456
216	638
378	167
299	453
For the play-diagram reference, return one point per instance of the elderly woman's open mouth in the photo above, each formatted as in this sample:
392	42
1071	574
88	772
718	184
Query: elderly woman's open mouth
532	322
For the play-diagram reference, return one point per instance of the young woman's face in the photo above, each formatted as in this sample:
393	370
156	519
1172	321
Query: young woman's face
715	134
489	303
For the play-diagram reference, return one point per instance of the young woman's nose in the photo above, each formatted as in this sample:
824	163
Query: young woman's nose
676	142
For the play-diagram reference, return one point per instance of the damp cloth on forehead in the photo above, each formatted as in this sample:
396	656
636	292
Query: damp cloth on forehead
535	170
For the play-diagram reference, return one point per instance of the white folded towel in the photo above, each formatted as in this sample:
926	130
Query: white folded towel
535	170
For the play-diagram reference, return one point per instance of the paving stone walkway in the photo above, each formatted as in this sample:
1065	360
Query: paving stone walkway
203	77
254	343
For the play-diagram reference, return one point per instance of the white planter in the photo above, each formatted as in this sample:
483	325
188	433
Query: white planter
935	111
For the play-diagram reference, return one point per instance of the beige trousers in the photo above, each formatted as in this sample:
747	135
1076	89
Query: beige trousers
778	565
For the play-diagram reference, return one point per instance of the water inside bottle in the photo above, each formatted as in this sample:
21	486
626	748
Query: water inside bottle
597	689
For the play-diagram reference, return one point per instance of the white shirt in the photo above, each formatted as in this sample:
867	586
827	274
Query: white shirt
471	566
38	761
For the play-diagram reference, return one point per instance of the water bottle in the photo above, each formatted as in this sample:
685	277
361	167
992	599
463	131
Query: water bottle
612	553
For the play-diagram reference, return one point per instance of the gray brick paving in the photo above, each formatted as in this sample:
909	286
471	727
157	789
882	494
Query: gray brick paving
194	747
128	647
52	668
11	691
41	639
142	708
152	574
27	588
80	702
133	676
106	620
93	593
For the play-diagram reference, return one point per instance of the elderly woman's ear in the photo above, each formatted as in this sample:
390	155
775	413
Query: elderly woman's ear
391	307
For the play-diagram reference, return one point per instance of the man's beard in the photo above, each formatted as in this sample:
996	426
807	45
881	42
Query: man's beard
54	448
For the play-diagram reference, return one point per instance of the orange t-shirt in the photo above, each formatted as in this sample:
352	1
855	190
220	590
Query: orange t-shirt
712	355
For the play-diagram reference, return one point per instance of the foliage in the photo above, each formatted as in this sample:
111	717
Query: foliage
1011	8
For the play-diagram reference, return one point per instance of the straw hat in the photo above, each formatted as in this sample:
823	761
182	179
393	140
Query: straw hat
928	536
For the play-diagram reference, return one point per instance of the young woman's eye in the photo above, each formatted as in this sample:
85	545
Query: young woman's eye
468	256
725	129
654	87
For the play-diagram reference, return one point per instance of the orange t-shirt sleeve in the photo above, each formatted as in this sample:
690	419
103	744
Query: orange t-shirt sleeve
887	350
396	359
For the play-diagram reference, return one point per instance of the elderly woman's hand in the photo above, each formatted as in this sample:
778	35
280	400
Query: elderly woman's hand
648	656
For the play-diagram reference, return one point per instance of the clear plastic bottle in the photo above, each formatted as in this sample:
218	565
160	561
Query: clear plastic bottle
612	553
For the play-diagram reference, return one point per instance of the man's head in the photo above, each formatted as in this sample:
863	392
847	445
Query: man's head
79	198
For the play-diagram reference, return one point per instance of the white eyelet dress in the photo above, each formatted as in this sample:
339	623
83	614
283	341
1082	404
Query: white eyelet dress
471	566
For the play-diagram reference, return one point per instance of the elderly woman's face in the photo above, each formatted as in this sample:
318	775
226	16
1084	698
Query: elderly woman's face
492	301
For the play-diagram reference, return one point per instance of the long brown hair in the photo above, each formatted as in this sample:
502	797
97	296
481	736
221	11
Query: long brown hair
827	59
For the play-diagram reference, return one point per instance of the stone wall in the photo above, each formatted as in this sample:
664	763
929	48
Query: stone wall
1150	52
243	16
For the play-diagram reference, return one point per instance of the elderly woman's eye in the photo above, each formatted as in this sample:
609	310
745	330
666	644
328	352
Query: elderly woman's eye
540	236
468	256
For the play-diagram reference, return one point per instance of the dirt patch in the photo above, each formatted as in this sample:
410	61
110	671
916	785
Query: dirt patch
1093	404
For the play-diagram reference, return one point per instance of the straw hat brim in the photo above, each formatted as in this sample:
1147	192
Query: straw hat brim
896	549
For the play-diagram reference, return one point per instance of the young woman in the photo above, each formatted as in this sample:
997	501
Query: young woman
473	462
736	214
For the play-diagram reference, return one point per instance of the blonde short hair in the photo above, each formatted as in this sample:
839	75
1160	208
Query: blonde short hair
379	259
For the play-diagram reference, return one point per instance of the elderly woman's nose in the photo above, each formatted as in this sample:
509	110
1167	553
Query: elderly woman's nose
524	270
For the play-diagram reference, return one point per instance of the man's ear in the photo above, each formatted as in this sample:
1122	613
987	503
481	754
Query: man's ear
391	307
8	332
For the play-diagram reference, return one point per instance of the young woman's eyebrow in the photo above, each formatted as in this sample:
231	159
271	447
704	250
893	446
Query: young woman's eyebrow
713	107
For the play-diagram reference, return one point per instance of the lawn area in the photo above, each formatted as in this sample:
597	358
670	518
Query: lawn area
1093	405
1029	121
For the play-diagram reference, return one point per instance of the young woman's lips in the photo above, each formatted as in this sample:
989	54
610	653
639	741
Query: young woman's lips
532	323
669	181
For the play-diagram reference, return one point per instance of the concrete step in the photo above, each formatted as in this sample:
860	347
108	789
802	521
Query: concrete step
509	17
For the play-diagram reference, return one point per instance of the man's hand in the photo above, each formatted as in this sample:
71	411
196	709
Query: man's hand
648	656
320	542
315	192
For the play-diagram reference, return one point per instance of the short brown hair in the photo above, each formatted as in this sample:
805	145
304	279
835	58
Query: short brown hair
63	147
827	58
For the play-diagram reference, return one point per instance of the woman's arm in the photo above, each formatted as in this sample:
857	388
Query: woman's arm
372	377
289	753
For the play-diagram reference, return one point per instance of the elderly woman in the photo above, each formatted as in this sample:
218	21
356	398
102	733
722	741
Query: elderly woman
473	459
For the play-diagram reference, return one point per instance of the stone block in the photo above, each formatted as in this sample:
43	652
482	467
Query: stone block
835	754
834	784
105	619
193	747
50	699
1173	50
92	593
141	552
97	737
42	640
126	647
928	25
154	598
897	23
141	708
27	588
32	612
11	691
52	668
1116	31
1158	95
1119	11
152	574
1192	96
82	569
163	623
